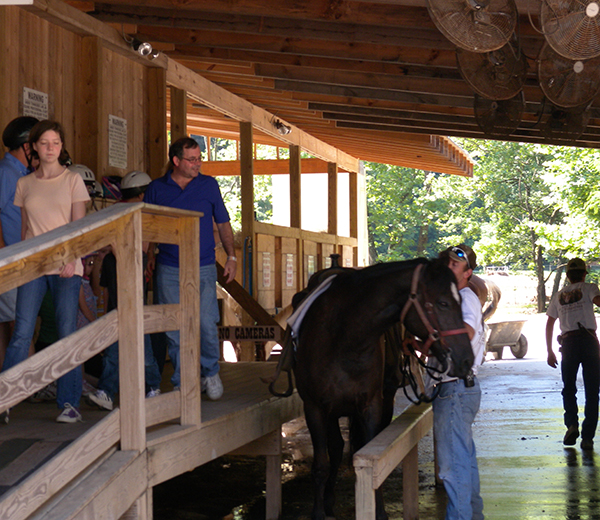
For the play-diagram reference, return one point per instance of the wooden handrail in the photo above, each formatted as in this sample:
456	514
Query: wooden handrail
125	227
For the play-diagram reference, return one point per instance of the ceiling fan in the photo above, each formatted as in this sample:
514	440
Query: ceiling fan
475	25
572	27
498	118
565	82
498	74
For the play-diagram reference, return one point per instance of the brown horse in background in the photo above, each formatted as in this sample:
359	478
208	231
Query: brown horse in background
340	360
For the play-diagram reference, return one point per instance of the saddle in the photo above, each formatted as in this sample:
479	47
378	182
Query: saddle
287	358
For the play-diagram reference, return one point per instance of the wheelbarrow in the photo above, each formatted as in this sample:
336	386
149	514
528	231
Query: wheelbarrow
506	334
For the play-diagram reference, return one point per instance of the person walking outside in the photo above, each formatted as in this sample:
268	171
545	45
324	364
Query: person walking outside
573	306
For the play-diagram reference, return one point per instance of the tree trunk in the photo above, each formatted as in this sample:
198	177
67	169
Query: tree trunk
557	277
541	288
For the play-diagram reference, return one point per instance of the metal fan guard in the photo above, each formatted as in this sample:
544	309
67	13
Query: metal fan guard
482	30
569	30
498	118
562	85
487	79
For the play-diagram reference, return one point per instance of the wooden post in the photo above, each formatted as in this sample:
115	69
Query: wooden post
247	174
295	187
157	121
178	113
130	294
189	311
364	494
410	484
88	98
332	198
353	201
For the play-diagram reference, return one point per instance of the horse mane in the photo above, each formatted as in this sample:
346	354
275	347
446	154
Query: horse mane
386	269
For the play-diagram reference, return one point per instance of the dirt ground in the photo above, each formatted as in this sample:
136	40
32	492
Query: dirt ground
233	487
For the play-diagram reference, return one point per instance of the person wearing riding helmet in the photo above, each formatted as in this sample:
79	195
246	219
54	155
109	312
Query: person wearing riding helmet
457	403
133	186
15	164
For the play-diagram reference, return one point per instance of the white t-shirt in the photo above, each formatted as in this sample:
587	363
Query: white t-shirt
574	304
471	310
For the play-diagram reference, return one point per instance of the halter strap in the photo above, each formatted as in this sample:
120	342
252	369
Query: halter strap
434	335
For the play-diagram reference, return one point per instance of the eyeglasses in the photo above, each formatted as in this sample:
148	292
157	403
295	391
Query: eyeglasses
461	254
193	160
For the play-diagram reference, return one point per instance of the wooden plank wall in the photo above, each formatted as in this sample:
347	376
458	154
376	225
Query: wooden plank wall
86	81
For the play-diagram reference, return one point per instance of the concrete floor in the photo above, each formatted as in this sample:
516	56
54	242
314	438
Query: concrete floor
525	470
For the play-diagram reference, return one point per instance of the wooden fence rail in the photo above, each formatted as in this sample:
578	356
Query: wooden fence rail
125	227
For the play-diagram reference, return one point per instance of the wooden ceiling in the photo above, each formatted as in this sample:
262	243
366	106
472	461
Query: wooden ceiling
374	78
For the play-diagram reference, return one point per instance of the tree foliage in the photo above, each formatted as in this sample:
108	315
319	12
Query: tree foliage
528	206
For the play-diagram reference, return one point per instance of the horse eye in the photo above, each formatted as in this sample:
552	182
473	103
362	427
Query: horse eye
443	304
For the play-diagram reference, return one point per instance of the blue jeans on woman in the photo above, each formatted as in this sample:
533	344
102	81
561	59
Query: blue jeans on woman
454	411
168	292
65	296
109	379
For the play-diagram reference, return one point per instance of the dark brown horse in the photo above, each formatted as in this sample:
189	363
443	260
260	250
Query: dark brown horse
339	366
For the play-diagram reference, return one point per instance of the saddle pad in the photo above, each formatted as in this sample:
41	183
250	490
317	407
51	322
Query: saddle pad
295	320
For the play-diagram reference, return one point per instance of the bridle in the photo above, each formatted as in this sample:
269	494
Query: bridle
426	318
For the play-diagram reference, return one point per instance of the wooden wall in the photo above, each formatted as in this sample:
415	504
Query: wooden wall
85	81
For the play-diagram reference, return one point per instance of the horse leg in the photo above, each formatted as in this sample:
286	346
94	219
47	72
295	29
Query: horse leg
335	447
316	421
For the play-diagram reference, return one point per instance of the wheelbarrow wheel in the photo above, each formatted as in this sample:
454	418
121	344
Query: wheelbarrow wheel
520	349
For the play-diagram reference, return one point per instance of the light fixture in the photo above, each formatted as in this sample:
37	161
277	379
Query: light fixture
142	48
154	54
282	128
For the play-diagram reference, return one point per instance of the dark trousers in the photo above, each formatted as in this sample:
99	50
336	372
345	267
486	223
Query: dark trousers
581	349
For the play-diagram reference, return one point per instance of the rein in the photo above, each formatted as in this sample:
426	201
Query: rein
434	335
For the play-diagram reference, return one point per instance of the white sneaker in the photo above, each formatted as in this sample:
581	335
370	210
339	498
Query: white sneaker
213	387
69	415
101	399
153	393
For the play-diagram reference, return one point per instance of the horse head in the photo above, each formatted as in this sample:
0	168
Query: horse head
435	315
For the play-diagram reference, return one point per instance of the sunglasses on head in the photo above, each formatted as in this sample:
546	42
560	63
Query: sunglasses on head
462	255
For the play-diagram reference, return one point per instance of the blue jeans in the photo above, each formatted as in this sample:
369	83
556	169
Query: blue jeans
65	296
454	411
168	292
109	379
581	349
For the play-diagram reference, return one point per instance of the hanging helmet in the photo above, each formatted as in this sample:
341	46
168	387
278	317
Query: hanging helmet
16	133
135	179
134	184
87	175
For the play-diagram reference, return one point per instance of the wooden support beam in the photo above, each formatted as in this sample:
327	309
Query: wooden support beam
189	335
295	187
353	203
247	195
332	198
178	113
130	291
229	104
157	121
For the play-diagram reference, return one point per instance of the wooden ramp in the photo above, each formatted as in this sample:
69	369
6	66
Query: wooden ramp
247	419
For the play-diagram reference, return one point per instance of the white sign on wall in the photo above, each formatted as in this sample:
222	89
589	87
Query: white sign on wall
266	265
289	270
35	103
117	142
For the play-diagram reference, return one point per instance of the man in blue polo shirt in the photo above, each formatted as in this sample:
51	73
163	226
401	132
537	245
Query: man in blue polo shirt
184	187
14	165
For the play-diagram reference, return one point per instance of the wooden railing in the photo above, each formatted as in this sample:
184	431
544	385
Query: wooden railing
125	227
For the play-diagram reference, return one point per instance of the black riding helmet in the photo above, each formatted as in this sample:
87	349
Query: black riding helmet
16	133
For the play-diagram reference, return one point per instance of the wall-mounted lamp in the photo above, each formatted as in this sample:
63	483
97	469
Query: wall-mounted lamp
282	128
154	54
142	48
